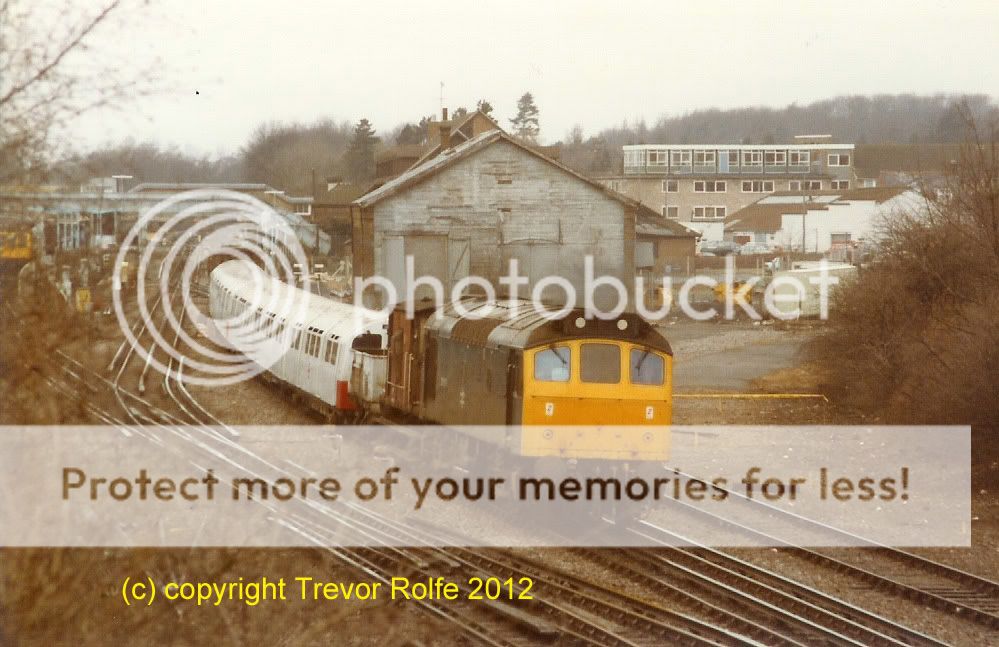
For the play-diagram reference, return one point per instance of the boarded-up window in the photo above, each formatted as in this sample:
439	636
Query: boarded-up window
645	254
459	258
430	259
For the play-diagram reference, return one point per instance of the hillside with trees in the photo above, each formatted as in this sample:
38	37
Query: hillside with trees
900	118
287	155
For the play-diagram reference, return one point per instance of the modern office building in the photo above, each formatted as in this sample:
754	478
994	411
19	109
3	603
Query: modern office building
701	184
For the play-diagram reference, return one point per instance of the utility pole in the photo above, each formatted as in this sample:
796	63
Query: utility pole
804	215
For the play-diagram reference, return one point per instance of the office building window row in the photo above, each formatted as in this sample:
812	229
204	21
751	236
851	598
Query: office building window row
708	213
757	186
710	186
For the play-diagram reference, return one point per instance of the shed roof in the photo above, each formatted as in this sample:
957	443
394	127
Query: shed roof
173	187
438	163
344	193
767	217
401	151
462	131
876	194
656	225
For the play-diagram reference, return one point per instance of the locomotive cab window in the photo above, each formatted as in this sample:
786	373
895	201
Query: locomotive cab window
600	363
552	365
646	367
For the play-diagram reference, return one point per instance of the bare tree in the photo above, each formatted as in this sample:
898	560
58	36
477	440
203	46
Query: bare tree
285	155
914	338
53	69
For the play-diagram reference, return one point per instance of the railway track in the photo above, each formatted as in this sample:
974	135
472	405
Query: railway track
558	622
579	610
884	568
742	578
725	600
763	612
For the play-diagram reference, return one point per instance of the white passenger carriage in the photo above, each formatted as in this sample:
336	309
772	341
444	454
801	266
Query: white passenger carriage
313	336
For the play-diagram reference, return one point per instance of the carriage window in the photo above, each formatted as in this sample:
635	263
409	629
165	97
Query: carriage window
646	367
552	365
331	349
600	363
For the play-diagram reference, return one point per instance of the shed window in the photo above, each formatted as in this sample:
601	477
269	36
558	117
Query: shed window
600	363
646	367
552	365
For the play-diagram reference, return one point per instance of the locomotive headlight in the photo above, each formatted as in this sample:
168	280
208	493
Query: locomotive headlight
580	322
622	324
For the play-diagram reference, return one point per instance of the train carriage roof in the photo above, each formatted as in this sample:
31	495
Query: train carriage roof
516	324
248	281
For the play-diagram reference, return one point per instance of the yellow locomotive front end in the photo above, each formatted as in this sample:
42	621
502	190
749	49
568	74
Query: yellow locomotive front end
597	398
567	387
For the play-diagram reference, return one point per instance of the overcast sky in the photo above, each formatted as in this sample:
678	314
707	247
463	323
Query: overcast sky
232	65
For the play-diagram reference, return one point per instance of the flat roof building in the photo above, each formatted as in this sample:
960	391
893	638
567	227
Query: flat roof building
700	185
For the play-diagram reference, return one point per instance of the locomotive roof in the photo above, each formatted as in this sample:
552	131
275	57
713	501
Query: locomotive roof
516	324
318	313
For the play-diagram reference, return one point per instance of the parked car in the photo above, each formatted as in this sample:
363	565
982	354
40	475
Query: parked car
755	248
720	248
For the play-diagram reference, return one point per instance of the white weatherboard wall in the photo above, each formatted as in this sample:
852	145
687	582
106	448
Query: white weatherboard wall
546	218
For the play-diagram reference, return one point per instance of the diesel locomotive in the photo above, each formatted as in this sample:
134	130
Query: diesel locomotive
498	371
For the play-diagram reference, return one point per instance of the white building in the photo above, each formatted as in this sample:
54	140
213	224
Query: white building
818	221
700	185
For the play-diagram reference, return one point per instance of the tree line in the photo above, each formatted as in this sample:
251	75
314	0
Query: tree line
914	339
860	119
297	157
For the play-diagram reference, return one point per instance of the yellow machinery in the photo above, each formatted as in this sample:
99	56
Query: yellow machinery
16	245
735	289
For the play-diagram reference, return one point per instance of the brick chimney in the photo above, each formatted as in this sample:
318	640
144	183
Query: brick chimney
445	131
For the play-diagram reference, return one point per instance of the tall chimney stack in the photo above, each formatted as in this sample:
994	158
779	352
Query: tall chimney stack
445	131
